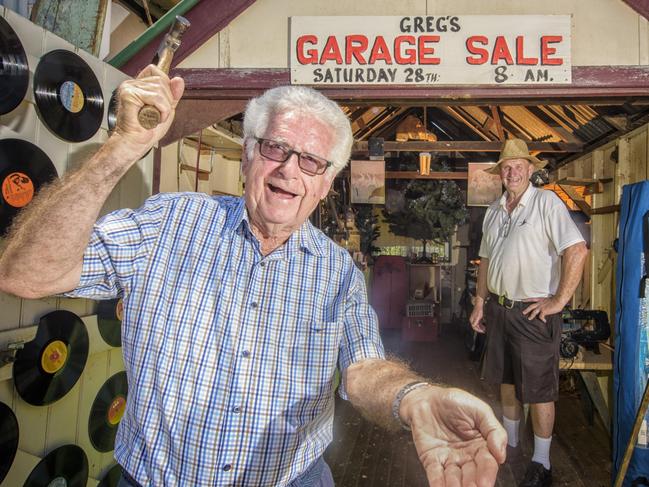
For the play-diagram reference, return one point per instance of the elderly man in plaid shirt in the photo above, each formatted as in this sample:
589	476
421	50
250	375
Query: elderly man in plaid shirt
237	311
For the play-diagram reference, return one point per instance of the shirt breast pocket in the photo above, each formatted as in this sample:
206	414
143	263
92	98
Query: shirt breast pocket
312	351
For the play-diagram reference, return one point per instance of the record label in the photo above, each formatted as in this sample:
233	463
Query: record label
119	309
49	366
18	189
116	410
58	482
71	96
54	357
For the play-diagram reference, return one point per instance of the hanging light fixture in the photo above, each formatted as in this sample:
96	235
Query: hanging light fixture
424	163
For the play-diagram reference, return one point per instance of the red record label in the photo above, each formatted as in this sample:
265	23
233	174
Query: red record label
18	189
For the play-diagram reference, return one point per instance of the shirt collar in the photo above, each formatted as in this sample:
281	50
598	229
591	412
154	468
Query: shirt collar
529	192
307	237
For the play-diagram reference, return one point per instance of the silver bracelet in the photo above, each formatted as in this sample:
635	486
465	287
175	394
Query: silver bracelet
396	404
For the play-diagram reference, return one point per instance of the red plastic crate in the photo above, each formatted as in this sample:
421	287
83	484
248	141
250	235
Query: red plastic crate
419	329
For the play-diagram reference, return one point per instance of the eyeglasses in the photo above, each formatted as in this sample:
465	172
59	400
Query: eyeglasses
277	151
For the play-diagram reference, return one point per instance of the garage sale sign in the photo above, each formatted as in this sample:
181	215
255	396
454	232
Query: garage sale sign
431	50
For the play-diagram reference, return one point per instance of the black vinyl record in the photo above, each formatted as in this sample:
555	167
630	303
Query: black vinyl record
107	411
111	479
111	113
8	439
14	70
109	319
68	95
66	466
49	366
24	168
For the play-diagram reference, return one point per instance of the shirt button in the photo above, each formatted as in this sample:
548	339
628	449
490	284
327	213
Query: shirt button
236	409
262	264
253	305
245	354
227	467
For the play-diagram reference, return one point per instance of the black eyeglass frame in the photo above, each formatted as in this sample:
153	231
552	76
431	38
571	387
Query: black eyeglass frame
290	152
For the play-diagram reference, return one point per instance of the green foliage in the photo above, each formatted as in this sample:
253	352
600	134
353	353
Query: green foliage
368	226
433	208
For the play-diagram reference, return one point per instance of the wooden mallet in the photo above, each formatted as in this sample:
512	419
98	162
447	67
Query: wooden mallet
149	116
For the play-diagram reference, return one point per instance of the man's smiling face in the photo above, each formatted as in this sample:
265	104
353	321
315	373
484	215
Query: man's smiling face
279	196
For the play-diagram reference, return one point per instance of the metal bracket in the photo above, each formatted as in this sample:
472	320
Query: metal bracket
8	356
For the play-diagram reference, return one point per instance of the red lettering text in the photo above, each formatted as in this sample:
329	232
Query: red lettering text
409	53
380	51
483	54
501	51
547	51
311	54
424	50
355	45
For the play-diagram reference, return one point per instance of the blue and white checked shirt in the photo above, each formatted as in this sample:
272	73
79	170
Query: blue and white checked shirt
230	355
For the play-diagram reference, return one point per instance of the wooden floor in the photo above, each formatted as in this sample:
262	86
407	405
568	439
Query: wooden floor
362	454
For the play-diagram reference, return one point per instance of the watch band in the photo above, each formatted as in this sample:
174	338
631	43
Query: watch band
396	404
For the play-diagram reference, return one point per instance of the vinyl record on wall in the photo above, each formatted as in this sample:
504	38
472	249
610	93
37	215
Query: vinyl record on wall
24	168
68	95
111	112
111	479
107	411
109	320
8	439
65	466
14	70
49	366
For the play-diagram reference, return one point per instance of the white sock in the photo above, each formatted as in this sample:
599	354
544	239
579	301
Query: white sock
542	451
511	426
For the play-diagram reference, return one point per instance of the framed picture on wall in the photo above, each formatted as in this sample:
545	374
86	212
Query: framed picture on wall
368	182
483	188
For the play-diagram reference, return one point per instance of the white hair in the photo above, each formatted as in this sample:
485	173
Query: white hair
303	100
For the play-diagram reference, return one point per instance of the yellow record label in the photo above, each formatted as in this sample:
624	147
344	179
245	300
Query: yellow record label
116	410
54	356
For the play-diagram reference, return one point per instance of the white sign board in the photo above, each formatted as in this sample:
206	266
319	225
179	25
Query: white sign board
444	50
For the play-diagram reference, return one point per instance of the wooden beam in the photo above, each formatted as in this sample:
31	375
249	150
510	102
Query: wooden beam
495	115
432	175
456	112
194	115
203	175
590	84
640	6
605	209
578	199
207	18
465	146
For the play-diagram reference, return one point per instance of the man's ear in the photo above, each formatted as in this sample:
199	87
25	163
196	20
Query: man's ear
245	163
326	187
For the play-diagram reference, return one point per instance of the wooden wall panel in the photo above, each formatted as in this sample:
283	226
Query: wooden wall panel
44	428
94	376
638	155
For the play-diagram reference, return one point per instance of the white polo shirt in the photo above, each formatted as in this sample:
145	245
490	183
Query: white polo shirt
524	248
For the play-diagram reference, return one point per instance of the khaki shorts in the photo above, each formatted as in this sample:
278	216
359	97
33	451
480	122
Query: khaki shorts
522	352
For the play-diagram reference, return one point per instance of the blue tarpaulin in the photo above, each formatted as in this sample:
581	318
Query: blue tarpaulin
631	327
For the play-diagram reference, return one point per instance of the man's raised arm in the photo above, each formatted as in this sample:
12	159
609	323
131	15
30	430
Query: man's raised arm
45	245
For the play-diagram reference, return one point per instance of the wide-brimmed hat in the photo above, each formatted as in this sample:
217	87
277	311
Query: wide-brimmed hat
516	149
